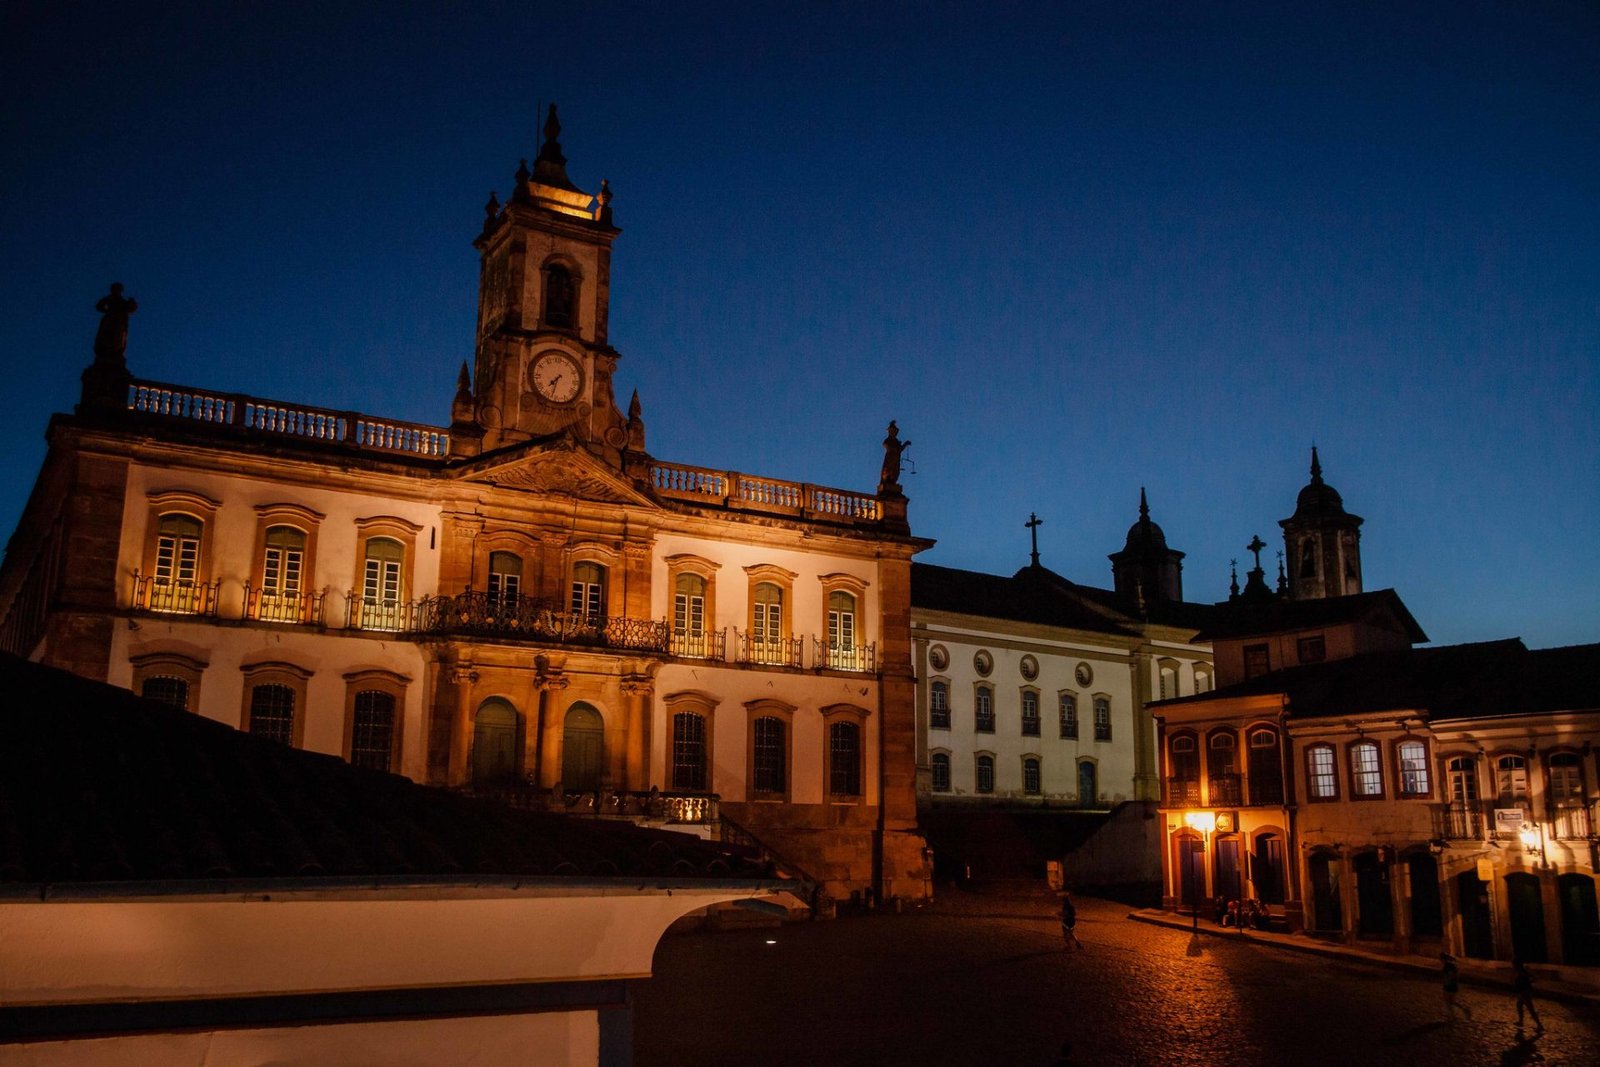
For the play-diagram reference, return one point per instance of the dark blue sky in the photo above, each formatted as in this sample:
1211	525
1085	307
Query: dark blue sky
1073	248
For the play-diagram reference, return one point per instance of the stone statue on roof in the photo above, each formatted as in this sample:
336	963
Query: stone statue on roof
111	340
889	479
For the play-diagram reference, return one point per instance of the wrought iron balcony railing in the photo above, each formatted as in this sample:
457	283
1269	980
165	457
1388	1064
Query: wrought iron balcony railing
1225	790
705	644
771	651
389	616
533	619
1459	820
1265	790
1183	792
263	605
837	657
655	806
172	597
1572	821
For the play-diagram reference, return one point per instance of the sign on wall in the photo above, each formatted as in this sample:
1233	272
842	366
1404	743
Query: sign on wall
1508	820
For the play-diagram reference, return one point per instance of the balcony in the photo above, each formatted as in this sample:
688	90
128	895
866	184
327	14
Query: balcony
744	492
519	618
706	644
1266	790
682	809
1225	790
263	605
771	651
168	596
1459	821
1572	822
845	657
1183	792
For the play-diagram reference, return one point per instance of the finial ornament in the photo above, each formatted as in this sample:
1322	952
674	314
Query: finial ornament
602	211
1033	524
1144	507
893	448
464	381
1255	546
111	339
635	424
550	152
1233	576
1316	467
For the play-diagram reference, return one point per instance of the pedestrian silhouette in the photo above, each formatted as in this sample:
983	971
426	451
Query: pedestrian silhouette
1450	981
1522	982
1069	920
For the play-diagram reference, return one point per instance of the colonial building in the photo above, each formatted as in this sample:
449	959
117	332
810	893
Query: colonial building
1032	689
1367	789
525	599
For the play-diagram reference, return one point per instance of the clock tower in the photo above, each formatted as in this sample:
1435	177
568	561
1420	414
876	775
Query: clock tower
543	365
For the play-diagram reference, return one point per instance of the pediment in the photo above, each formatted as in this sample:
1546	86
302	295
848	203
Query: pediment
555	469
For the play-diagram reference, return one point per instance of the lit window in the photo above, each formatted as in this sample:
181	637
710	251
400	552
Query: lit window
985	781
766	629
941	772
1030	776
1511	778
939	705
1030	713
842	631
1566	778
689	615
1102	718
1323	781
1069	715
1413	769
1366	769
282	562
1463	776
505	581
983	710
380	584
178	549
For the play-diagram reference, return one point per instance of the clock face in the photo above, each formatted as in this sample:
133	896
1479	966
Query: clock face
556	377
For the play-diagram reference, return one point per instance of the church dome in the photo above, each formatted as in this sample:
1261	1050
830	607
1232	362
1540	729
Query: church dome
1145	535
1318	497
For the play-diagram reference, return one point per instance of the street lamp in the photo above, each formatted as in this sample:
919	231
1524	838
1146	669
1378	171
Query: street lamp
1204	822
1532	836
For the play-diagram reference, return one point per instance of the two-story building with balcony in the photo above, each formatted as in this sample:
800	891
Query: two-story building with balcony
524	602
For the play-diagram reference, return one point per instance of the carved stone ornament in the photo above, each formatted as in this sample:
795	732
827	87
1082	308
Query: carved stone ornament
552	680
562	479
460	675
638	686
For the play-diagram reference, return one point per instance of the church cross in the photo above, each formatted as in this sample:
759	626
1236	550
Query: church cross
1256	545
1033	524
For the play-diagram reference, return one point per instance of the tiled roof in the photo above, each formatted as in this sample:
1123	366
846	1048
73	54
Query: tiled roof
1038	594
1244	619
1489	678
98	785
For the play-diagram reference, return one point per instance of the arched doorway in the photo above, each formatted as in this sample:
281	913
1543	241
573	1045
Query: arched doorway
1477	929
1374	904
1191	869
1266	868
582	749
1228	874
1580	920
1326	913
494	743
1527	918
1088	785
1426	917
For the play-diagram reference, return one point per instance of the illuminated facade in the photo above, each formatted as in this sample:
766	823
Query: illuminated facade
525	602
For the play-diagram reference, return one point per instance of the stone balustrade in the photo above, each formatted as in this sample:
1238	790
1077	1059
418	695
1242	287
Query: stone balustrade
730	489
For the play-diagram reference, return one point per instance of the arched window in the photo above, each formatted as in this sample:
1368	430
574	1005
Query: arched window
505	581
174	692
939	705
1030	713
1566	794
1169	683
689	751
1102	718
1511	778
1202	681
559	297
1266	770
1308	558
282	561
766	624
1366	769
1462	773
272	712
771	755
1030	776
372	730
1088	783
941	772
985	774
1185	758
1222	768
589	590
844	759
1322	779
178	549
380	584
983	710
1413	769
842	630
689	615
1069	715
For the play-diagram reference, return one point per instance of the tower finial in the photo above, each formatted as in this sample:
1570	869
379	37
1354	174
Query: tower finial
551	151
1316	467
1033	524
1144	506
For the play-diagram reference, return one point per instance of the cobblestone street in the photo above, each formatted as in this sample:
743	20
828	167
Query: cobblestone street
983	979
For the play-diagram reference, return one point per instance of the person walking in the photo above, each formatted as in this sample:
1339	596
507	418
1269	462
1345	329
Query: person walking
1450	980
1522	982
1069	920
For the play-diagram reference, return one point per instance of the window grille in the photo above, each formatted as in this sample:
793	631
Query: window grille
174	692
1323	780
1030	777
941	773
985	766
769	755
688	751
272	713
844	762
372	730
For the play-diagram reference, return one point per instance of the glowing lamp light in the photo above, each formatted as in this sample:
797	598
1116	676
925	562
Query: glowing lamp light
1530	838
1204	821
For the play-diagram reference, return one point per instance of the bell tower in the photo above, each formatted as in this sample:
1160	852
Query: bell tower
543	364
1321	542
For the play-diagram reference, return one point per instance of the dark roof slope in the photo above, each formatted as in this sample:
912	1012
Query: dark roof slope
1038	594
1245	619
1451	682
99	785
